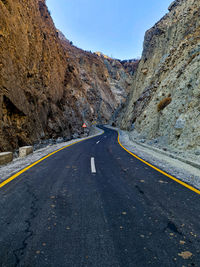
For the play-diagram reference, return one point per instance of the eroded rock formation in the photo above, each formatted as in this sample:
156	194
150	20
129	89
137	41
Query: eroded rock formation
48	87
165	97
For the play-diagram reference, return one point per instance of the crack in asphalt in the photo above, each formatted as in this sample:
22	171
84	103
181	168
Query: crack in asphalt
18	253
139	189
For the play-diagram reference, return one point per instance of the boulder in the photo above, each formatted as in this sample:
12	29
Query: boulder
6	157
25	150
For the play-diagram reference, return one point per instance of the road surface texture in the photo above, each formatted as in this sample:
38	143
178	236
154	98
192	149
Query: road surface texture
93	204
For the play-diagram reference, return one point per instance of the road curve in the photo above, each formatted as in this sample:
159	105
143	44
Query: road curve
93	204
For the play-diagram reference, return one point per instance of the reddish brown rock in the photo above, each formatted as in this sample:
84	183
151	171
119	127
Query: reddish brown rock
48	87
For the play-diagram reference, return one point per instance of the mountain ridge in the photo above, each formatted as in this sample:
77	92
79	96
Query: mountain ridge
48	87
168	75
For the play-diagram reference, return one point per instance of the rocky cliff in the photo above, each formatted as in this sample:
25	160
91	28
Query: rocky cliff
48	87
164	104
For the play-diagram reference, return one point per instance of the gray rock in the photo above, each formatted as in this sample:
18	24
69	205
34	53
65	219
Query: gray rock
133	126
164	58
174	4
197	152
173	72
180	124
194	51
59	140
75	135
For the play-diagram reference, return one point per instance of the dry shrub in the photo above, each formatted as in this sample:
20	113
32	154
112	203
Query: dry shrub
163	103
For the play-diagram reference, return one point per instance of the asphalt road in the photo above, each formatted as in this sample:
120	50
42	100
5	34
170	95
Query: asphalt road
59	213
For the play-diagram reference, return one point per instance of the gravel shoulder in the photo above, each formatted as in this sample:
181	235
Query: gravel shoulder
168	162
20	163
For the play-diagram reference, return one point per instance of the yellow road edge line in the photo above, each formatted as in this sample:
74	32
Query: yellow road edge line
164	173
38	161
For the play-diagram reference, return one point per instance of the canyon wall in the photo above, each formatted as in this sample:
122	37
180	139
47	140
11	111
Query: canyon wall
164	103
48	87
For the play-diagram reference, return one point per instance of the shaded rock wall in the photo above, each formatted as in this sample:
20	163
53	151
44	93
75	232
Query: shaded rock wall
165	97
47	86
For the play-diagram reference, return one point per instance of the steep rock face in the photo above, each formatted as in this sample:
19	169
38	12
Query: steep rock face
47	86
165	98
119	77
130	65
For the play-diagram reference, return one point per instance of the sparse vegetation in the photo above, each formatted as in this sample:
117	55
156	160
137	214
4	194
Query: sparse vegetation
164	103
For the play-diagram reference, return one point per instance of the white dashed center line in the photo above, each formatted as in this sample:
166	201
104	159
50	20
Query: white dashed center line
93	169
97	142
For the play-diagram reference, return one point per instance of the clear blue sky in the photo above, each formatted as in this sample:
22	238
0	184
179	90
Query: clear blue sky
113	27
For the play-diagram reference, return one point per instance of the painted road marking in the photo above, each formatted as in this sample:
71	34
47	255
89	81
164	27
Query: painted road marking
35	163
164	173
97	142
93	168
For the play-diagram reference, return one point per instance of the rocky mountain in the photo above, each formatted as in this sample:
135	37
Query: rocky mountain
130	65
164	103
48	87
